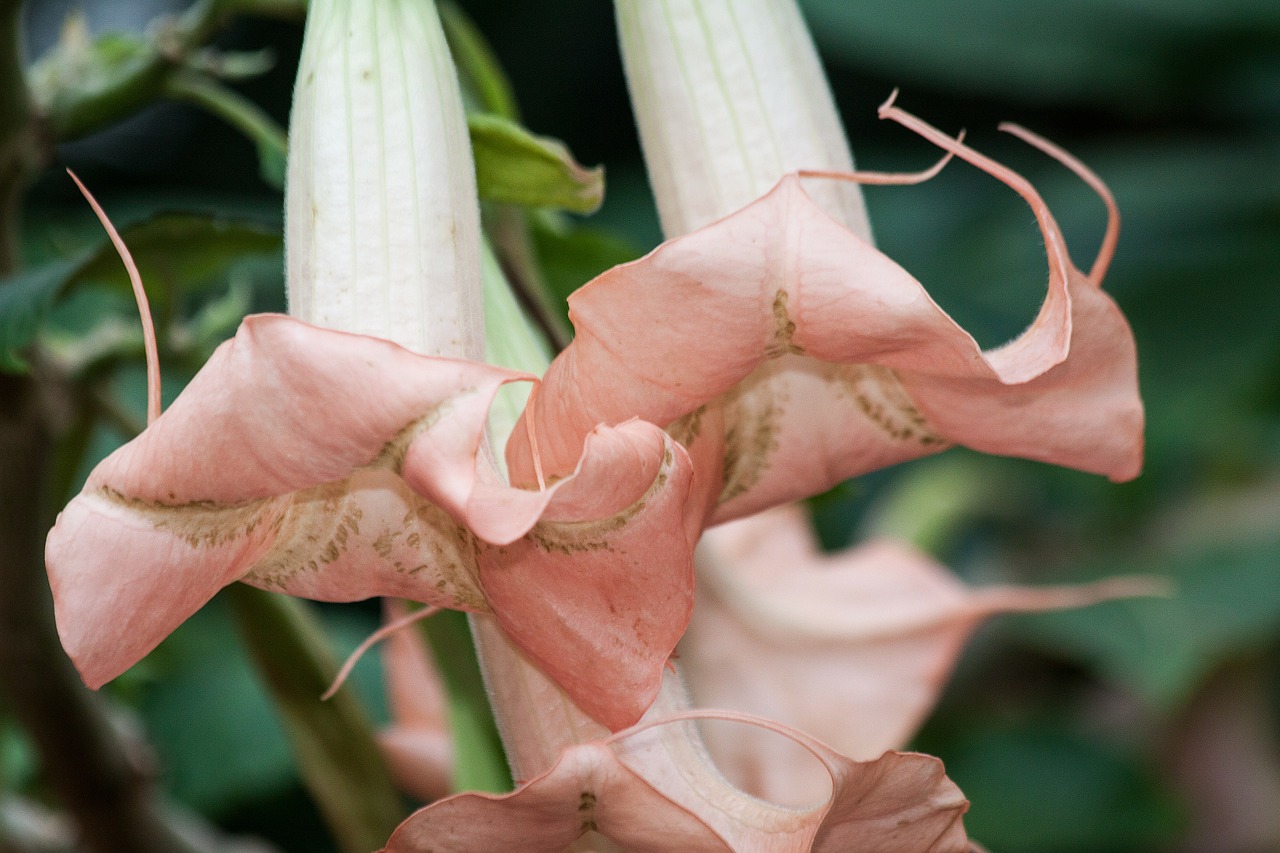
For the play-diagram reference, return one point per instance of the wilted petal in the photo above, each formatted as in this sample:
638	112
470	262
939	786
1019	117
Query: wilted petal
417	744
652	791
853	648
827	359
340	467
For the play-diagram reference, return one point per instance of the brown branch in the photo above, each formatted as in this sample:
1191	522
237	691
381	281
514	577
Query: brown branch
106	786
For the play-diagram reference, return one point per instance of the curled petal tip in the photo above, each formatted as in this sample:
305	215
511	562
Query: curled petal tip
888	104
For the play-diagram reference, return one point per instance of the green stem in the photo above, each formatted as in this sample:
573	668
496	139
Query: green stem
228	104
102	781
479	763
239	112
333	741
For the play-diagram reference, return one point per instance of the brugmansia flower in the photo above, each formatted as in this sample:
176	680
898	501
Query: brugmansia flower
777	343
828	360
780	345
340	466
648	792
852	648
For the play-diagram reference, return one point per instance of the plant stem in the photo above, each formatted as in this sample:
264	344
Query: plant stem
104	783
333	741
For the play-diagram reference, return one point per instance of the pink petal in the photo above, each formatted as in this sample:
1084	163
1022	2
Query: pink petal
417	744
617	589
279	459
340	467
123	577
652	791
286	406
853	648
828	359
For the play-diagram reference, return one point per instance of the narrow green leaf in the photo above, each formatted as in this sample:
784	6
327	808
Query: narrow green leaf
515	167
333	741
485	87
241	113
24	300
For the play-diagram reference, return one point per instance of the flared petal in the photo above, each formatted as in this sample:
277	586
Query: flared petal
124	575
828	359
618	588
339	467
651	791
417	744
853	648
278	459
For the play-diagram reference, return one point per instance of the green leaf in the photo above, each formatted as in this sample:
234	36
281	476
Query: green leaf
220	741
82	84
515	167
170	249
24	301
1049	51
572	254
1043	789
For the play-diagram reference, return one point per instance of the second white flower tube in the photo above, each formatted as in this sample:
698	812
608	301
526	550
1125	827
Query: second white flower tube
729	96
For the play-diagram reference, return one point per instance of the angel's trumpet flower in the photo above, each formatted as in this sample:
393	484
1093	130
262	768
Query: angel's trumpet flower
776	342
350	460
852	648
655	788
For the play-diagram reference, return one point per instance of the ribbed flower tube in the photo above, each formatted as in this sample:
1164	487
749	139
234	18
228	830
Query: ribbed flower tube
729	96
382	223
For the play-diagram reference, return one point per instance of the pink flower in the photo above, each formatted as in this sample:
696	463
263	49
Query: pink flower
651	789
852	648
788	354
341	466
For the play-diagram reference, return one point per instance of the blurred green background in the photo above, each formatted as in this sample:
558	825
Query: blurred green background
1130	726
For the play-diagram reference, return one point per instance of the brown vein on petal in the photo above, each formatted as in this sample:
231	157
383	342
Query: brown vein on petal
878	395
784	329
323	523
201	524
753	411
393	452
315	531
573	537
685	430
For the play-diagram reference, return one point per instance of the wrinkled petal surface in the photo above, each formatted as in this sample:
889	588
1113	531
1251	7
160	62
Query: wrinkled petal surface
853	648
652	791
802	356
340	467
